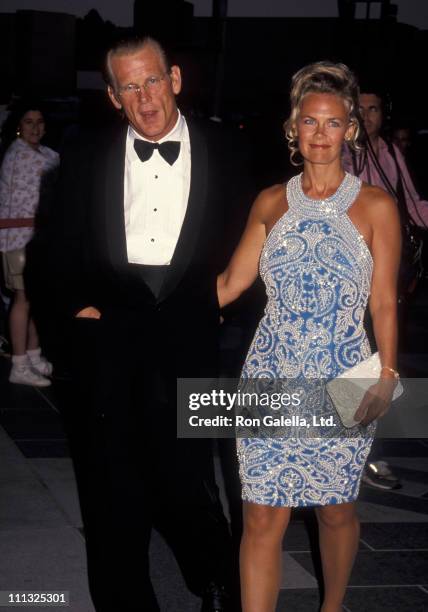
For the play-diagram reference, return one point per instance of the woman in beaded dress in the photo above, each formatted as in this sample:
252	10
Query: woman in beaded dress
324	245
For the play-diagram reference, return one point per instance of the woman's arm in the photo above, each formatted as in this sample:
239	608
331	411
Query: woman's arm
242	270
386	251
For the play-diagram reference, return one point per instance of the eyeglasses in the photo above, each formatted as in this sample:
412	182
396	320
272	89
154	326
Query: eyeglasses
151	86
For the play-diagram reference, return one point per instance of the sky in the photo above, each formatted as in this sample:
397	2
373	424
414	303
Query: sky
414	12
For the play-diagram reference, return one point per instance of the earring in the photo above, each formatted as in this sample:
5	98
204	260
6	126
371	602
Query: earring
293	161
18	133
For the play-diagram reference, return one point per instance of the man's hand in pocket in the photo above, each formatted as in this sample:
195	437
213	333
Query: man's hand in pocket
90	312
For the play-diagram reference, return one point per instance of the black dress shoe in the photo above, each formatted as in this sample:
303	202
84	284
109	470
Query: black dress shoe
216	599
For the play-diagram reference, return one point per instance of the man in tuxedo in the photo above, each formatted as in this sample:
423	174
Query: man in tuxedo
136	241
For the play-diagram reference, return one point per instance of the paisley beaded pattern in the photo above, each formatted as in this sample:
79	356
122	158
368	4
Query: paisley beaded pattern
317	270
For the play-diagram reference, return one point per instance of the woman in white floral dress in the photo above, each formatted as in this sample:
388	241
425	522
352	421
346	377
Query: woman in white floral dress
24	164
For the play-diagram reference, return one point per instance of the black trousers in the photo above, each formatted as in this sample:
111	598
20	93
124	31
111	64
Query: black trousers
133	473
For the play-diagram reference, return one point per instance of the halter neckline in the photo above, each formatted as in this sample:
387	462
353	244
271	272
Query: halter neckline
335	205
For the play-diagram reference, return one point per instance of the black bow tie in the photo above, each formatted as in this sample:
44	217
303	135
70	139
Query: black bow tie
169	150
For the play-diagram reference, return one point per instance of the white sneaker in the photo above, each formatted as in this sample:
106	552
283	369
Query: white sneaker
42	366
26	375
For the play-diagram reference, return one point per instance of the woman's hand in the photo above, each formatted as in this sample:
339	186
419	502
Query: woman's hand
376	401
90	312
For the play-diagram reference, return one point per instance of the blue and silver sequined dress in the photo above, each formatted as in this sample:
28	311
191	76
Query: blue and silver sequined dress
317	270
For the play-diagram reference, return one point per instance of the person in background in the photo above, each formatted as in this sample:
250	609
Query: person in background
24	164
381	163
402	138
411	144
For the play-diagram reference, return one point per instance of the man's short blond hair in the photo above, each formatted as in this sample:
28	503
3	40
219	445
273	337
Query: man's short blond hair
129	47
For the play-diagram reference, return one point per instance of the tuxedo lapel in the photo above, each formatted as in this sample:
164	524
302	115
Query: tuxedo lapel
112	199
190	230
114	182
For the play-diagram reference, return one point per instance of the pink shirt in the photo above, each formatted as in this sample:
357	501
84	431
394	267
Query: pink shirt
20	177
418	209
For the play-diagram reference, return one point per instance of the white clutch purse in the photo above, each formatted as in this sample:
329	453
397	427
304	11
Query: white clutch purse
347	390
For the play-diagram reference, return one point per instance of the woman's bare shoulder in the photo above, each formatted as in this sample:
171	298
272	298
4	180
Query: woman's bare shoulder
376	204
270	201
371	196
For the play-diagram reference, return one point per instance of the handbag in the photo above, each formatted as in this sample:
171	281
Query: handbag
347	390
411	266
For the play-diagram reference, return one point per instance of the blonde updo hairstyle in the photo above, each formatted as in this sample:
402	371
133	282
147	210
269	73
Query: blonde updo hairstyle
323	77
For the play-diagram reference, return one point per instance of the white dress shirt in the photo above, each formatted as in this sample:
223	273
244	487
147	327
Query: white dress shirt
155	198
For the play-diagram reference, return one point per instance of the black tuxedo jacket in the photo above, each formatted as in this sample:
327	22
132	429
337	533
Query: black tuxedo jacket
88	243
